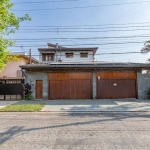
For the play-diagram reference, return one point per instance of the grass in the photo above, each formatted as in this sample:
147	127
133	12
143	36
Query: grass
22	108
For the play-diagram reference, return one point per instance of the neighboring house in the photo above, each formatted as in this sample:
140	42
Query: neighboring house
55	53
12	68
75	78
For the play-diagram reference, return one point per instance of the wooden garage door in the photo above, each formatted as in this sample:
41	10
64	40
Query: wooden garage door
70	86
116	85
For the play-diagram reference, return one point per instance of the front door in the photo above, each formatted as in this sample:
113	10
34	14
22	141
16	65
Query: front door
39	89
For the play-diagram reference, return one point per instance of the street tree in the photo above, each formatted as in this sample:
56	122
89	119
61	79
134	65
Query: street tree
146	47
9	23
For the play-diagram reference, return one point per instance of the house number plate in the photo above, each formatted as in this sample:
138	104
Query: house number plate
115	84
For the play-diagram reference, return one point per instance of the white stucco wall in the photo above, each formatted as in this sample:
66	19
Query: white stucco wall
76	57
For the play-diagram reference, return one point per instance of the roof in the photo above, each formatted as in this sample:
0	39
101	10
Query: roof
12	78
92	65
23	54
94	49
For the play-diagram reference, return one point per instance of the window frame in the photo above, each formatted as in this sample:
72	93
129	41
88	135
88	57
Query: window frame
48	56
82	55
70	55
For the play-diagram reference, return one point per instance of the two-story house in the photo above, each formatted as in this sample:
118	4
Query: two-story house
72	73
56	53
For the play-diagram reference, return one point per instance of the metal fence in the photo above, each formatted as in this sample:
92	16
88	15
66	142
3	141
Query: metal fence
11	89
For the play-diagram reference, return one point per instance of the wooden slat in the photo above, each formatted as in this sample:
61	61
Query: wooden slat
116	75
69	76
123	89
70	86
81	89
58	76
39	89
59	90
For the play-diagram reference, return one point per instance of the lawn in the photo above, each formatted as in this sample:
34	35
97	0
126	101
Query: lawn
22	108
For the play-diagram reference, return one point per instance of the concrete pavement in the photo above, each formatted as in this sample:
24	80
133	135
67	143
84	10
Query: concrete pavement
6	103
124	105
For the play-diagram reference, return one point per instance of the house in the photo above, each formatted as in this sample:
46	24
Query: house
12	68
77	77
11	77
55	53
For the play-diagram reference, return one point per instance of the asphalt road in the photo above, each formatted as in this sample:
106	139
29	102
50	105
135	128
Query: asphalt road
77	131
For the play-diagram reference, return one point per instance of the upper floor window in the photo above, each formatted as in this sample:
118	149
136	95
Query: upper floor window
48	57
83	55
69	55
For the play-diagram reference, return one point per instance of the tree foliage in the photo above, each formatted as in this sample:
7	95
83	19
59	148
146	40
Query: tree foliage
9	23
147	42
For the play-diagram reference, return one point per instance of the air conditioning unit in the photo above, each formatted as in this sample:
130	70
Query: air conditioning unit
59	59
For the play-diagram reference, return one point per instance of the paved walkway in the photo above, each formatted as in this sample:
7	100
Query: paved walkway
6	103
92	105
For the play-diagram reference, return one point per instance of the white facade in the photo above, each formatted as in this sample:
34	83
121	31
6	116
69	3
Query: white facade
60	56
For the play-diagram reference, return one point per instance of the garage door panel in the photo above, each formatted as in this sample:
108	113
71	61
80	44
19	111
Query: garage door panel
101	89
132	89
121	89
59	90
80	89
58	76
70	86
88	89
116	75
112	89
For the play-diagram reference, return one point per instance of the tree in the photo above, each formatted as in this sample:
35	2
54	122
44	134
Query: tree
9	23
147	44
146	47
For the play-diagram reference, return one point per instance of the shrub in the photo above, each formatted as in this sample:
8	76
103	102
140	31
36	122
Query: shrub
27	92
148	93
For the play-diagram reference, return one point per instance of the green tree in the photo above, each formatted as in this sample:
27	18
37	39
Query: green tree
9	23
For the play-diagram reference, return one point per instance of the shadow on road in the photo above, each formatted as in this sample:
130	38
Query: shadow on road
103	117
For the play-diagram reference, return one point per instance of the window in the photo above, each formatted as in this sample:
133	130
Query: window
48	57
69	55
83	55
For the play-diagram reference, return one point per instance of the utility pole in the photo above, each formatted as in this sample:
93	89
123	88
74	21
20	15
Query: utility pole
30	56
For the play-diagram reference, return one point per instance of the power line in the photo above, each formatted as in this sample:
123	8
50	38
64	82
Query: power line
85	31
86	38
83	7
46	28
45	2
89	44
92	25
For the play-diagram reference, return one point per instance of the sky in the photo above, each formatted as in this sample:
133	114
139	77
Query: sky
118	26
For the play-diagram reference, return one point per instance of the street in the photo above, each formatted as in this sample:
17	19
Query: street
77	131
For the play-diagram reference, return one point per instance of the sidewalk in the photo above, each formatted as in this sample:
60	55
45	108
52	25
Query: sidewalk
6	103
121	105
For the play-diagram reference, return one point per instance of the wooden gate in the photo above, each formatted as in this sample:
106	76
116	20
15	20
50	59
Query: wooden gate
112	85
70	86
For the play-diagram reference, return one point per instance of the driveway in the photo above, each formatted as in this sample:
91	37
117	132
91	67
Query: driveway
92	105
